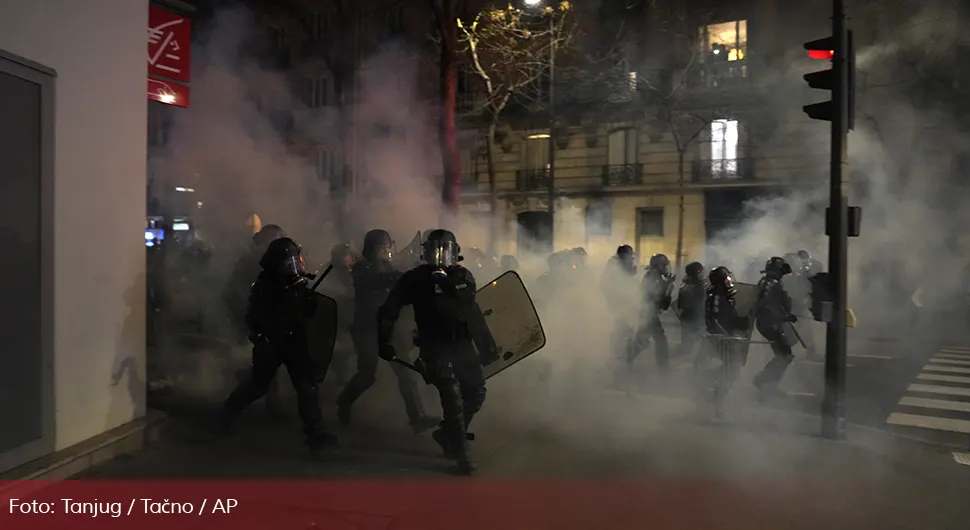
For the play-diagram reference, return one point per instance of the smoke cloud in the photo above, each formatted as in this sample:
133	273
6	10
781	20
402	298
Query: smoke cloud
901	175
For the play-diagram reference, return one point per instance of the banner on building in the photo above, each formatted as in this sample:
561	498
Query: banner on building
169	56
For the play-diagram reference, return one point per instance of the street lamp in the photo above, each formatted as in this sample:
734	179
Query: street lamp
551	175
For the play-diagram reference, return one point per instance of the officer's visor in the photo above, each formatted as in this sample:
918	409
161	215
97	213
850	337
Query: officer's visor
293	266
440	254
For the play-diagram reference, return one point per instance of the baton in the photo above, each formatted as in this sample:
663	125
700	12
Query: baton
321	277
797	335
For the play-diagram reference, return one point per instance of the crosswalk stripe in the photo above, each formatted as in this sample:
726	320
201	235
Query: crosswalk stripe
944	378
864	356
929	422
955	352
949	361
958	348
950	369
938	389
941	404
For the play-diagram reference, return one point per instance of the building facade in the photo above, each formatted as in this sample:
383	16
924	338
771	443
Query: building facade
74	126
689	135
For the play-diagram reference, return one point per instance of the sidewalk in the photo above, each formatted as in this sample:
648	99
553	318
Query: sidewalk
621	464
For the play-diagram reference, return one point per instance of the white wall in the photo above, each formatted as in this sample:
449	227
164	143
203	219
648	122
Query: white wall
99	50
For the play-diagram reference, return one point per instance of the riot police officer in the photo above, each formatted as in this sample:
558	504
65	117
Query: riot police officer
236	293
690	306
339	285
772	311
373	277
508	262
279	305
657	288
722	322
447	316
618	284
799	286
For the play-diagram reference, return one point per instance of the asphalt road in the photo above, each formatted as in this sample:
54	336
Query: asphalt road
618	460
918	389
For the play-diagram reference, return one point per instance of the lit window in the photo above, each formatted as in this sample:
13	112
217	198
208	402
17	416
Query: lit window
726	41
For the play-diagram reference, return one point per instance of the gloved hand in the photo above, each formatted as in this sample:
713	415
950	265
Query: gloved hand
792	319
386	351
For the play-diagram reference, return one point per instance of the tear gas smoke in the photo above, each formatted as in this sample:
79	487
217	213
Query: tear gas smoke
901	155
233	147
243	165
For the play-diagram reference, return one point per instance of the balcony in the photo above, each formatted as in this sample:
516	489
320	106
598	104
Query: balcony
720	171
531	179
622	175
721	74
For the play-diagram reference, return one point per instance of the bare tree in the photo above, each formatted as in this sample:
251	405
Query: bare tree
668	103
446	13
509	52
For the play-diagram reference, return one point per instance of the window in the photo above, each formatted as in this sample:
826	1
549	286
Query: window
726	41
599	218
650	222
468	165
724	148
318	23
632	79
395	19
318	92
536	152
622	147
323	165
279	37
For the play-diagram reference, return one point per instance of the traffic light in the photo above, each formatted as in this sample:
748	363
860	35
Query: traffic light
825	79
822	297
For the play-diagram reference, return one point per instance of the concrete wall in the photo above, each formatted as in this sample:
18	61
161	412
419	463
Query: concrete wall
98	50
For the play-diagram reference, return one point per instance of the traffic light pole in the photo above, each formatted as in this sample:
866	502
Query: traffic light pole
833	404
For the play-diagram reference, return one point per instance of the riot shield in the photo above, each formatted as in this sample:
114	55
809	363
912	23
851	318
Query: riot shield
744	303
410	256
511	319
322	334
510	325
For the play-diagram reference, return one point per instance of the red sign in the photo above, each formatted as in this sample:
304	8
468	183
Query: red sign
168	92
169	44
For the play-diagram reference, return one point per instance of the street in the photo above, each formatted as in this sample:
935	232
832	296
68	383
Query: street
761	468
665	467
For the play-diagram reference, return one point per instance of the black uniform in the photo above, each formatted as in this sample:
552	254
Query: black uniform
339	285
658	287
772	311
721	320
690	307
619	280
373	278
279	305
236	297
443	296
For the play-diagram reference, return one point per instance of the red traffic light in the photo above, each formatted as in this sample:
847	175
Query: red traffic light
821	54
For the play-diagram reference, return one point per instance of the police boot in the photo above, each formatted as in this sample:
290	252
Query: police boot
767	381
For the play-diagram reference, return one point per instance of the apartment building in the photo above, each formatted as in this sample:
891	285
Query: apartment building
651	168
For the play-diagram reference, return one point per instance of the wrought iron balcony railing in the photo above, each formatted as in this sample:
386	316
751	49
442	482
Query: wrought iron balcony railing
531	179
719	170
622	175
